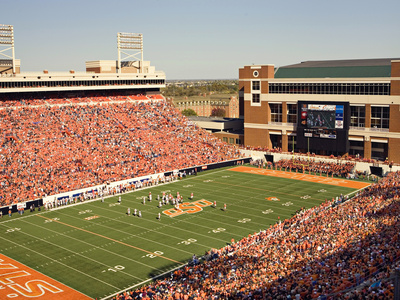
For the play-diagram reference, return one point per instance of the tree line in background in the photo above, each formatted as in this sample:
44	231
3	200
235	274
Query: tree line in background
190	88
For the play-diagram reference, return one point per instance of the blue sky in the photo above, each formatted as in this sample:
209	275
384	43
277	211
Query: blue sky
201	39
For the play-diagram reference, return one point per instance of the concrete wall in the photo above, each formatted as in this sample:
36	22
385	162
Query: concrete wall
359	166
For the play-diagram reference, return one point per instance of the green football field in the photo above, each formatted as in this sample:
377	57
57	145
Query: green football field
98	250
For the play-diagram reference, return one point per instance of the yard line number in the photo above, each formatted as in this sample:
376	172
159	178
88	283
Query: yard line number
187	242
245	220
218	230
154	254
51	220
114	269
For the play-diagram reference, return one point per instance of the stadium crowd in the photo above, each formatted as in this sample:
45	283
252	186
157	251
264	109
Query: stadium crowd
49	149
320	167
333	251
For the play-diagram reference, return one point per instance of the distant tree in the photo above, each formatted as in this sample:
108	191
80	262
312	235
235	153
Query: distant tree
189	112
218	112
195	87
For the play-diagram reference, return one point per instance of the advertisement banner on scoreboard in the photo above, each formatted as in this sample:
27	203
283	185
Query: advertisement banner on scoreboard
339	116
321	107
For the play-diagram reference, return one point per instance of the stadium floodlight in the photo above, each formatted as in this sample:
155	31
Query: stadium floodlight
131	45
7	43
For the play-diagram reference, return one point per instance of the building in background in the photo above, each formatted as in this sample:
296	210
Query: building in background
229	130
204	105
340	107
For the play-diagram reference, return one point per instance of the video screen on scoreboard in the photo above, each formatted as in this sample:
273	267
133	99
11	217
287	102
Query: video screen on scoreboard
322	116
321	122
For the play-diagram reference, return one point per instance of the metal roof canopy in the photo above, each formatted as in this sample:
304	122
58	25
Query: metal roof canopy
343	63
352	68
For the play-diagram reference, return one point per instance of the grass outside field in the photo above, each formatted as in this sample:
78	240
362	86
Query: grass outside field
97	249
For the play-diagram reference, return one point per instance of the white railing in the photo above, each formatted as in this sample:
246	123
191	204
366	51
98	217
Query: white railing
369	129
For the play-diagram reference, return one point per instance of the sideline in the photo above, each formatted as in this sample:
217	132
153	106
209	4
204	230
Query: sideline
109	196
303	177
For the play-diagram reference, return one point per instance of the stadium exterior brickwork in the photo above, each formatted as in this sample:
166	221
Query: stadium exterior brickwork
269	97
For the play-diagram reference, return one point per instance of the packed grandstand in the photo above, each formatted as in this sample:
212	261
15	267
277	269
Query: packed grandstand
55	145
339	250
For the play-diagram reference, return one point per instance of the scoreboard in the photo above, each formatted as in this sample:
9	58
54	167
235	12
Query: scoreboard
323	126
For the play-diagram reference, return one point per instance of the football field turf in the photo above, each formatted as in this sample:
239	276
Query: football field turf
98	250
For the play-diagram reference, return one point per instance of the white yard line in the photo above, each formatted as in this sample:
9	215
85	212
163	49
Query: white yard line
131	234
75	253
95	247
143	282
54	260
45	274
173	227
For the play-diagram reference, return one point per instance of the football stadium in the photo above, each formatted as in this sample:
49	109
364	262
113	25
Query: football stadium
109	192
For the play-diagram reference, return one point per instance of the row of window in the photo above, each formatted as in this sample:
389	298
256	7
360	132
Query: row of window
74	83
201	103
231	140
379	115
276	112
327	88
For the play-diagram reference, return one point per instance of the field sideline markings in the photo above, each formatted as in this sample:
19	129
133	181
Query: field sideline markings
47	257
254	196
143	282
154	230
280	208
94	247
139	234
192	177
36	272
172	226
214	213
254	188
76	253
108	196
246	199
248	214
303	177
110	239
203	218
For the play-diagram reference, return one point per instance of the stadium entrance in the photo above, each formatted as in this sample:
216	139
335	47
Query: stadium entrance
379	150
276	140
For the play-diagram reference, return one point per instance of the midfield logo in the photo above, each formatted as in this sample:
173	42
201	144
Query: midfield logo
187	208
272	199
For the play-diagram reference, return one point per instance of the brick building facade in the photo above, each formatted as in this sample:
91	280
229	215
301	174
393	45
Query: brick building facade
203	106
269	96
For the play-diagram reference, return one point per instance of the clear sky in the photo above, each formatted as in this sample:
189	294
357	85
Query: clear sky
205	39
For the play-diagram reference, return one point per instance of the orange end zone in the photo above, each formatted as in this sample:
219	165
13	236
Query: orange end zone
304	177
22	282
